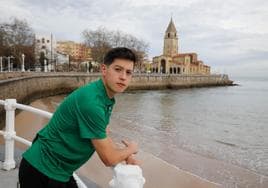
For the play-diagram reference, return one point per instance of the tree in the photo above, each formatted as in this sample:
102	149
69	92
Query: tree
16	38
98	41
102	40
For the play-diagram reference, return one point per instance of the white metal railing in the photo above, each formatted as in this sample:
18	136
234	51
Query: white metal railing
10	136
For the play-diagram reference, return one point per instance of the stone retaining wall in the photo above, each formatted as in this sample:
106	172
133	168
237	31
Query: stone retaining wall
27	87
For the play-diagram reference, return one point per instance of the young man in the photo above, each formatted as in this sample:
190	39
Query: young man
78	128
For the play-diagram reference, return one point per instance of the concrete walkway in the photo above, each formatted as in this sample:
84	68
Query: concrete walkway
9	179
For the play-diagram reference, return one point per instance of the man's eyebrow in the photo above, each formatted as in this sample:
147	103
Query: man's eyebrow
118	66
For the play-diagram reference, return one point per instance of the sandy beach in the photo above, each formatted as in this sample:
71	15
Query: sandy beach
158	173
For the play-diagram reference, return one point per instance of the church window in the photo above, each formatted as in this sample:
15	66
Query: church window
168	35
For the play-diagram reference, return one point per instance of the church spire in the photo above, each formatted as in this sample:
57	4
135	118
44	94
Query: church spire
171	27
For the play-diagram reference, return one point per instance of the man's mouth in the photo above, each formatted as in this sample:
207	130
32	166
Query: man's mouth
121	85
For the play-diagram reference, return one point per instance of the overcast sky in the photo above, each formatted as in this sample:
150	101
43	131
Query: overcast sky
230	36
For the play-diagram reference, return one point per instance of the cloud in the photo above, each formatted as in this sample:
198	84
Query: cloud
223	33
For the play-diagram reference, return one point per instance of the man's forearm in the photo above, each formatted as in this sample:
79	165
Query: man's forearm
111	154
121	154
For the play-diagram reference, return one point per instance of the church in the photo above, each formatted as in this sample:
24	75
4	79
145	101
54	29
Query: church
173	62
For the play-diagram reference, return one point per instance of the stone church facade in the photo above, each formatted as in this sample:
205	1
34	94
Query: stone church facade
173	62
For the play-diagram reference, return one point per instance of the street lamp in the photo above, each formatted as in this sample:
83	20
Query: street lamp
55	62
68	56
1	64
45	67
8	64
22	66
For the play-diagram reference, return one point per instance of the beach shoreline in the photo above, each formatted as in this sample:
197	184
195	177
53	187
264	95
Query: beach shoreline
157	168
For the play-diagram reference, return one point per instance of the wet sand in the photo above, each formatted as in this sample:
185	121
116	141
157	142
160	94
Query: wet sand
158	173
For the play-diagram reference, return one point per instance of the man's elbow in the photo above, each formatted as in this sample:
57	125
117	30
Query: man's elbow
109	162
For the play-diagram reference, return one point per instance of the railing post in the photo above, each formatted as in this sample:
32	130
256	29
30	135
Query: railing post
127	176
9	162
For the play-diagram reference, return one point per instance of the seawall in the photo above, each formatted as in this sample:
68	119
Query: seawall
162	81
29	86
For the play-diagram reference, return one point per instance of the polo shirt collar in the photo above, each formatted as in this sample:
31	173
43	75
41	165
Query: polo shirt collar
101	86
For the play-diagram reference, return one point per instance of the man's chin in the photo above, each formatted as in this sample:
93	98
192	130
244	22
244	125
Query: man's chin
117	89
121	90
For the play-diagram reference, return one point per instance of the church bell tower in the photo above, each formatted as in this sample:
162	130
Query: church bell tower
170	40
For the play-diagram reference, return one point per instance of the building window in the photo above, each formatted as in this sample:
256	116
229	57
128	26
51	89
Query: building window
43	40
38	41
170	70
47	41
178	70
168	35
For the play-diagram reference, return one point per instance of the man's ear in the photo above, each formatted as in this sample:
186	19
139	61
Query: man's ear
103	68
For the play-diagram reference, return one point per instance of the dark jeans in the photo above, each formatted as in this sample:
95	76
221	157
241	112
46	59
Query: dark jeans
29	177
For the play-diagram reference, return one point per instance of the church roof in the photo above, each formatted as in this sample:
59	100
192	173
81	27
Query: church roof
171	27
185	54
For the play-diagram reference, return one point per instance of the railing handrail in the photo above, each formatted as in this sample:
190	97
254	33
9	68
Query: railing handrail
30	109
10	135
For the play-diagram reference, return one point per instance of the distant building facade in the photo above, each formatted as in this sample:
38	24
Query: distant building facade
173	62
62	58
78	52
45	49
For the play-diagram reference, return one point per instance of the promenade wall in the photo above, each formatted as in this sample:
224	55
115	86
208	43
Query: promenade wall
28	86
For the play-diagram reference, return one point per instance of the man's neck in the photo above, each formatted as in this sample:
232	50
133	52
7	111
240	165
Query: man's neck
109	93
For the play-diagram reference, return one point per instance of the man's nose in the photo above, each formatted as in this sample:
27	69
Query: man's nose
123	75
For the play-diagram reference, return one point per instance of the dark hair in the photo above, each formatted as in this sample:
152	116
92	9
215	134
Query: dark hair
119	53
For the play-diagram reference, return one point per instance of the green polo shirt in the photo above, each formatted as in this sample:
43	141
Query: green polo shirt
64	144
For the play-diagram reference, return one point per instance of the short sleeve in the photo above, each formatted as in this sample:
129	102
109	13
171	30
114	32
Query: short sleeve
91	120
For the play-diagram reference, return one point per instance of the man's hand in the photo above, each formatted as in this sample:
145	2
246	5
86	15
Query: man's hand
131	145
132	161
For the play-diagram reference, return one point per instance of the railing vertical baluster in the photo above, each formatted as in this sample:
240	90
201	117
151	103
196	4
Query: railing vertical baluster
9	162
